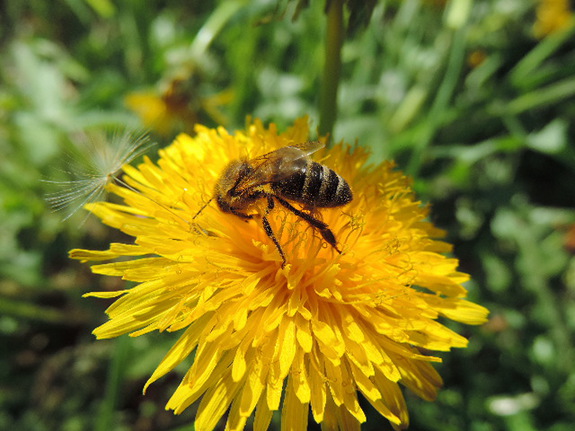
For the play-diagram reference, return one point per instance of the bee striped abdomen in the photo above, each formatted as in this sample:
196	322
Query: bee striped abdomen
333	190
315	185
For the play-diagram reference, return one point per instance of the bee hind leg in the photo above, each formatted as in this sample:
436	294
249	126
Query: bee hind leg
323	228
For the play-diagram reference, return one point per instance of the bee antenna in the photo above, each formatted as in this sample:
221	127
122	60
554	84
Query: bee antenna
203	207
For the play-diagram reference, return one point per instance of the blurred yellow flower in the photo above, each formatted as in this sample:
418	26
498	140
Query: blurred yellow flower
320	330
178	106
552	16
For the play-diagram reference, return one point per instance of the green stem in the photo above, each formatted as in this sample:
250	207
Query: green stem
116	377
332	67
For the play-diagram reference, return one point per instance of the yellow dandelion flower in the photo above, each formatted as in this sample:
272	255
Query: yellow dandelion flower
312	334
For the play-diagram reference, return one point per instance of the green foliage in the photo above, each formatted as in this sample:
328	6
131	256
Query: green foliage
463	97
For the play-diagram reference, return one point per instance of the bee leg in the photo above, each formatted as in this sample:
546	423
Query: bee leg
323	228
202	208
246	217
269	231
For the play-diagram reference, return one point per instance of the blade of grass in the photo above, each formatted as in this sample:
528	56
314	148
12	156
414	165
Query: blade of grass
442	98
550	95
214	24
537	55
27	310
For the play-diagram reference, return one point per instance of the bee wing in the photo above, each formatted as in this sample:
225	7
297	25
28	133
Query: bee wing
278	164
308	147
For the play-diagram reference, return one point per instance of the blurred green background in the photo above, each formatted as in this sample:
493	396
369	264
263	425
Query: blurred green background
475	99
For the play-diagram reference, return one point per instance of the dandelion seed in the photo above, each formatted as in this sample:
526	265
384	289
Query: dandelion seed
97	162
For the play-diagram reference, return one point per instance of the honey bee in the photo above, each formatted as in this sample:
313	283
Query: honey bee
282	176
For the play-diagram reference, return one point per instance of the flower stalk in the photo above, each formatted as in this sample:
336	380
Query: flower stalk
332	67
